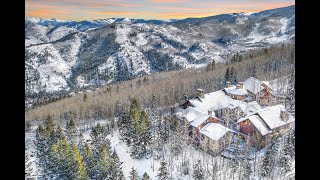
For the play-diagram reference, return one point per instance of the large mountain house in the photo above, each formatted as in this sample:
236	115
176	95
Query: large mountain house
241	108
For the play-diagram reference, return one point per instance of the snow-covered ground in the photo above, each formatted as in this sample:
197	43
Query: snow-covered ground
174	165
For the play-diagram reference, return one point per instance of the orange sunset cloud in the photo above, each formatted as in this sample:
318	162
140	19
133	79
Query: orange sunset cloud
146	9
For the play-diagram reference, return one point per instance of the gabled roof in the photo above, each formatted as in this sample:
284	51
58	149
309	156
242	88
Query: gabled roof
215	131
271	116
253	85
259	124
197	122
267	119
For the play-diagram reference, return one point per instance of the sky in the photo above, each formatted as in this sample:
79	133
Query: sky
78	10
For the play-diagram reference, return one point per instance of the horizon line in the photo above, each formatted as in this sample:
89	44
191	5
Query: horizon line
253	12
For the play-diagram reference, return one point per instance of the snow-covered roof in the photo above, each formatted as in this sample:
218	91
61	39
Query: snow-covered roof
268	118
253	85
190	114
214	131
271	116
211	101
236	103
247	108
234	90
251	107
197	122
258	123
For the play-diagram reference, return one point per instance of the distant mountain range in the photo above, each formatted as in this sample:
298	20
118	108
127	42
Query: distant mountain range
68	55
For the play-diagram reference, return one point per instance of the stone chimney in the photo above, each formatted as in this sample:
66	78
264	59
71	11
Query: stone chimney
228	84
172	109
200	93
284	115
241	84
185	98
238	86
210	113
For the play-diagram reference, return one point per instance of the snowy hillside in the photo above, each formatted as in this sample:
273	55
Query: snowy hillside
68	55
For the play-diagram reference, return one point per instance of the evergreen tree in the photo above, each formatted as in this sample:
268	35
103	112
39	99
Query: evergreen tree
290	96
146	176
49	126
247	170
85	97
198	172
185	167
145	133
240	58
42	152
98	137
164	136
118	110
50	136
133	174
254	71
288	153
233	75
136	129
214	171
226	76
115	168
124	125
163	173
89	161
27	126
28	169
72	132
81	141
103	163
266	165
59	133
136	146
63	162
80	170
213	64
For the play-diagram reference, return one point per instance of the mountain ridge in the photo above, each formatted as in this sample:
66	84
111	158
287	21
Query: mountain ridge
63	56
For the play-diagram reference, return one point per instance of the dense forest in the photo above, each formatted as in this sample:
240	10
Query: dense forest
167	88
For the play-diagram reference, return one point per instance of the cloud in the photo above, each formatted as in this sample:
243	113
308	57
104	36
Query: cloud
130	5
181	15
150	9
110	12
46	13
166	1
